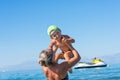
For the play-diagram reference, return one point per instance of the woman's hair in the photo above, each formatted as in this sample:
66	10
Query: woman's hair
45	58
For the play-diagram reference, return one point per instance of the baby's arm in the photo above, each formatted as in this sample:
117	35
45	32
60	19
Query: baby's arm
53	44
68	39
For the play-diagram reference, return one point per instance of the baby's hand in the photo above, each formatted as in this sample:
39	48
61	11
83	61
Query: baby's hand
65	40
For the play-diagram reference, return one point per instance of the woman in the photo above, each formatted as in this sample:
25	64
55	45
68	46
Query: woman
53	70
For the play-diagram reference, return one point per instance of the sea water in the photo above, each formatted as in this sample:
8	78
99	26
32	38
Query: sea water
111	72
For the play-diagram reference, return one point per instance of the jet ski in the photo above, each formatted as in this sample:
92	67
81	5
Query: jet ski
95	63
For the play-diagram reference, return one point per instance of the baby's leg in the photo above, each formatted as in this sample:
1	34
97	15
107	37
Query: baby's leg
59	56
67	56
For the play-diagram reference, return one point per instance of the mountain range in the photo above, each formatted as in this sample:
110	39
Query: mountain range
108	59
112	59
30	65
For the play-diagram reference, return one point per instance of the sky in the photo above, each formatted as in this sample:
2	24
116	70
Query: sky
94	24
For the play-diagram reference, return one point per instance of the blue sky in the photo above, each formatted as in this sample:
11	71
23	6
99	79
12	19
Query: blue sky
94	24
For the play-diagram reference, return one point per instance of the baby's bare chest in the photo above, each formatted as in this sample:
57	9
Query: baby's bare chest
61	44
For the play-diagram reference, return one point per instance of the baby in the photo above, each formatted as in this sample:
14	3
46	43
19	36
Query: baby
60	41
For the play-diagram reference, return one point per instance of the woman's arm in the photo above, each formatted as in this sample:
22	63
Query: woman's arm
73	60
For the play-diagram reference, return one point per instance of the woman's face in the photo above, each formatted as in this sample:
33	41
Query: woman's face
56	35
45	57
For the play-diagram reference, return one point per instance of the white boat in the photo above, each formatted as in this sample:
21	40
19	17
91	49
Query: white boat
93	64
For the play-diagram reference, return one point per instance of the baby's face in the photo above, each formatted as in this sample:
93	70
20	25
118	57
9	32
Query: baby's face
56	35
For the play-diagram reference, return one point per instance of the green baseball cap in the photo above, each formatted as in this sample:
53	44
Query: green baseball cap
52	29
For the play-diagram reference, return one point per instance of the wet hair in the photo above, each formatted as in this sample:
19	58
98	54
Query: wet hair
45	58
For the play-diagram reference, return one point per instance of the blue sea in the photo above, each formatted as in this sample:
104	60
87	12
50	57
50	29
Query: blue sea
111	72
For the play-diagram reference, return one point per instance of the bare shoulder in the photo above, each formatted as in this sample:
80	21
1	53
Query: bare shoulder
53	42
44	68
64	66
46	71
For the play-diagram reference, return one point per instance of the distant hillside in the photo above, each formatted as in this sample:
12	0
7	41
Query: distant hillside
109	59
29	65
112	59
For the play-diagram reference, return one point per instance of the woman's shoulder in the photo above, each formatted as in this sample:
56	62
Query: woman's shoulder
64	65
